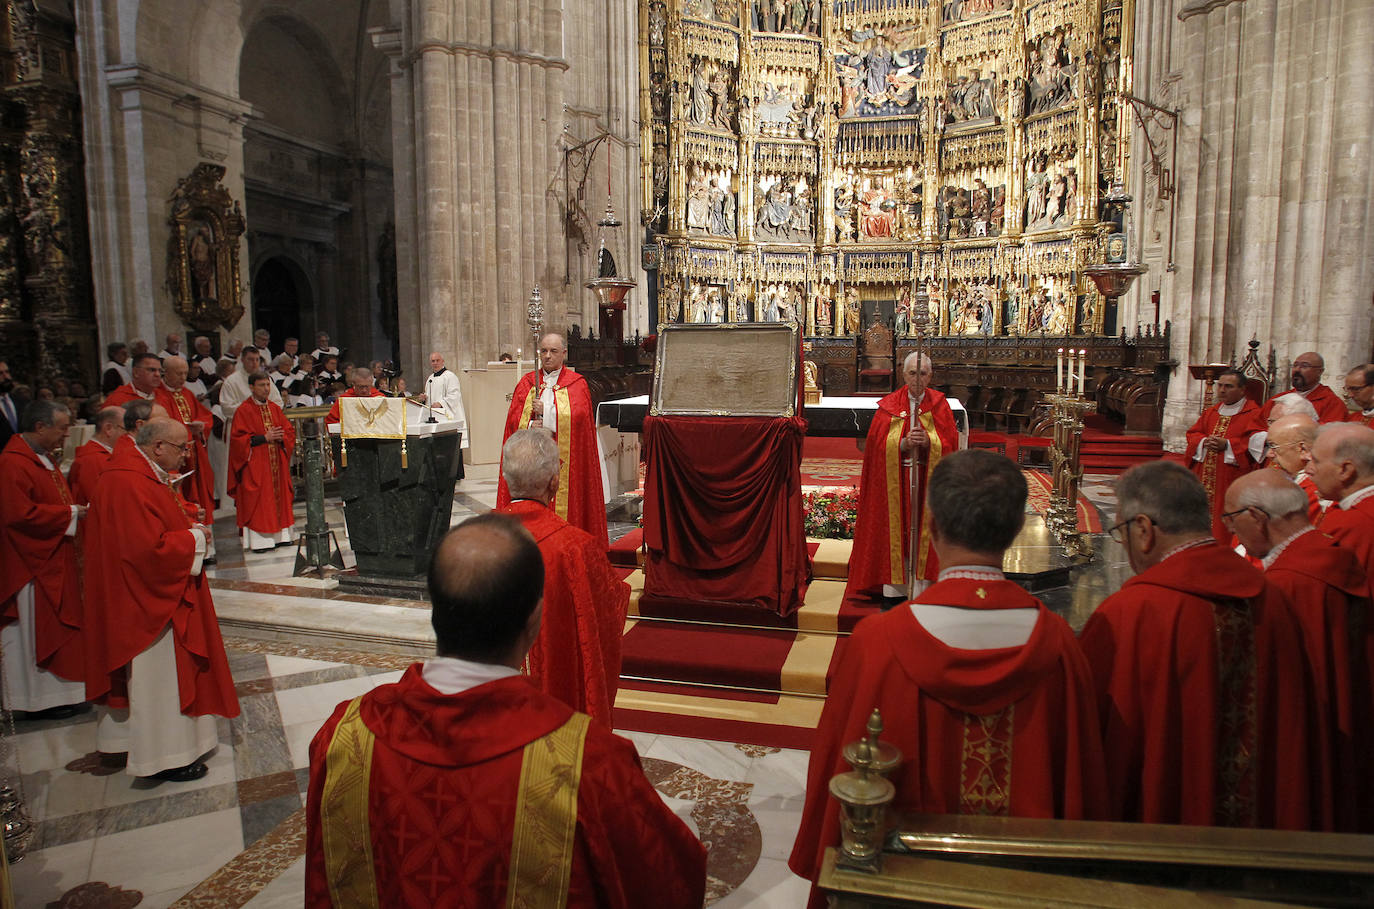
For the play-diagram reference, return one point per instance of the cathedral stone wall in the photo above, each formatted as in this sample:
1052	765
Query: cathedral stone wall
1271	234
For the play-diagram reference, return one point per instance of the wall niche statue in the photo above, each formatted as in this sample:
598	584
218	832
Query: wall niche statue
203	250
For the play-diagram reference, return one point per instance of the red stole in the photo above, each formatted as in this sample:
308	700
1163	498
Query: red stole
577	655
1216	475
35	511
260	475
579	500
881	532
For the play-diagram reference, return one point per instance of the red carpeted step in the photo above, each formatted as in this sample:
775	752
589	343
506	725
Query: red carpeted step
625	551
714	728
702	691
735	657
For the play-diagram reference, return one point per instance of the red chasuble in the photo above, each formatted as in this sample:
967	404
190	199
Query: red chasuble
1353	528
577	655
1011	732
260	475
185	407
880	534
1203	692
1216	475
90	459
1357	416
138	581
35	511
441	804
123	395
1328	592
333	416
579	500
1330	408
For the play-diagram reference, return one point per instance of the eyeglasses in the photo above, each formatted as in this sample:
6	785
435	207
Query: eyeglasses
1351	389
1275	446
1117	532
153	369
1303	364
1228	516
184	448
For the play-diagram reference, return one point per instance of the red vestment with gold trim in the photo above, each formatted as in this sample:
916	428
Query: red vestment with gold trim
580	499
186	409
90	459
1328	591
576	657
1204	695
35	511
881	532
139	554
1011	731
1216	475
442	797
260	475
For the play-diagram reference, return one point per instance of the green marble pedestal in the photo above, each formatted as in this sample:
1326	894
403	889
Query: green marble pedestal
395	516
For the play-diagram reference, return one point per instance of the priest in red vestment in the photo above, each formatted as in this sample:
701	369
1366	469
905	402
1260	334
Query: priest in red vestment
1359	390
1328	591
1199	671
1289	448
463	783
974	664
576	657
40	597
1218	441
1342	465
90	458
147	379
878	560
557	398
1307	381
154	656
187	409
260	446
361	387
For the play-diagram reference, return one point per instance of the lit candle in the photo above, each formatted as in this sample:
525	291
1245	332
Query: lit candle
1082	370
1059	371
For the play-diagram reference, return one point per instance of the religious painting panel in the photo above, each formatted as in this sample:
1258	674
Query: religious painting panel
738	370
203	250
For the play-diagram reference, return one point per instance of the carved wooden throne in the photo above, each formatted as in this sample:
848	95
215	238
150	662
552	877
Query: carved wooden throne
877	359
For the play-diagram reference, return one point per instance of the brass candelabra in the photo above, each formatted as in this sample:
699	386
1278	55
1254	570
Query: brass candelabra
1068	410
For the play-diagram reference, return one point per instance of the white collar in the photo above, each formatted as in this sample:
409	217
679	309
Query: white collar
1356	497
109	448
1182	547
972	572
162	475
1230	410
450	675
1278	549
552	376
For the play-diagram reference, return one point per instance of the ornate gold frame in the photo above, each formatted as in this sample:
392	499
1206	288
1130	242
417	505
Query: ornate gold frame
203	250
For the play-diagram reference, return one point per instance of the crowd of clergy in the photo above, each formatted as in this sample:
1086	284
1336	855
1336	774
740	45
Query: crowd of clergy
1228	682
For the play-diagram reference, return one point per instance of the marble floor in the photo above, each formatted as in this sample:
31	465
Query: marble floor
235	838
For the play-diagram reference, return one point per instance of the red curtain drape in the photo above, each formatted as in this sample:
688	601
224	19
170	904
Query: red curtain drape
723	512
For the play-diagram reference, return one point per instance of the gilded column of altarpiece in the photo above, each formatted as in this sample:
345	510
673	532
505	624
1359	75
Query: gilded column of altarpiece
841	163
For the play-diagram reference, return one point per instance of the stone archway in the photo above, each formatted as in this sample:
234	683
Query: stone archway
283	300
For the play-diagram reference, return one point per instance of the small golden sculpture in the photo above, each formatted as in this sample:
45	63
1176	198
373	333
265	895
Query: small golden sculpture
864	794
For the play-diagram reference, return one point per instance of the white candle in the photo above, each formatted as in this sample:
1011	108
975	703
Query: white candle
1059	370
1082	370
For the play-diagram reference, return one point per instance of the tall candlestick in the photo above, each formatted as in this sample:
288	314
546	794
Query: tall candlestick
1082	370
1059	371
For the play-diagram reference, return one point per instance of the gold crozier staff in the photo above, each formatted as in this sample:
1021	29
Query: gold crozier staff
918	458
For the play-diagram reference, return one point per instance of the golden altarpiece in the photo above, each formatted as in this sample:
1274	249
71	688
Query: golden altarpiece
840	164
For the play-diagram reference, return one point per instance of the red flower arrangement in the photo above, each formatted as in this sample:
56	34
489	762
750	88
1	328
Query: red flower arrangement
829	514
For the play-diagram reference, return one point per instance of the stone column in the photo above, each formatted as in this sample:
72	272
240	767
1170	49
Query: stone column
477	113
1272	234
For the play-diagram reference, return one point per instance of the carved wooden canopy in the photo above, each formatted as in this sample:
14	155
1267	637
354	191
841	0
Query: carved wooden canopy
203	250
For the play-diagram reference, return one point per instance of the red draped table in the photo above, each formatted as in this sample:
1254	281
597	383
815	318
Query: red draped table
723	512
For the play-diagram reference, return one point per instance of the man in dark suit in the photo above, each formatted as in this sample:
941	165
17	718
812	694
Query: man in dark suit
10	406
